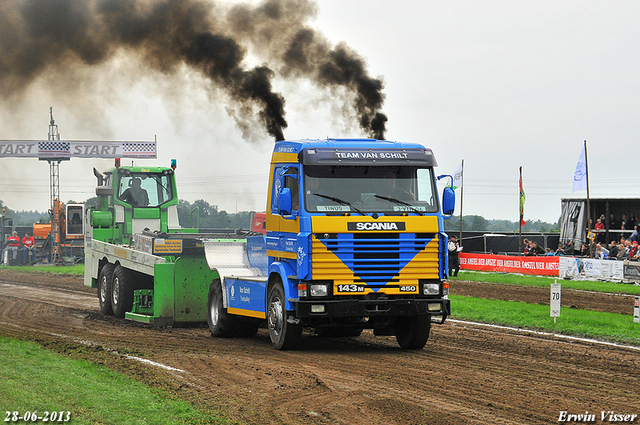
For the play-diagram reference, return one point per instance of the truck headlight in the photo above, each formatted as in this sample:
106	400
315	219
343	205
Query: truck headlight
430	288
318	290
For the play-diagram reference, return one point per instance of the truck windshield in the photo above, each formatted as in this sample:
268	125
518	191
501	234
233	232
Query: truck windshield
145	189
381	189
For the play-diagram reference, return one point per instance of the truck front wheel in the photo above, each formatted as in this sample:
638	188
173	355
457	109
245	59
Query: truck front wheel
412	333
122	291
104	288
283	333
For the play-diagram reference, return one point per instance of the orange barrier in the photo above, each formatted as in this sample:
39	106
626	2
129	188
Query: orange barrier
541	266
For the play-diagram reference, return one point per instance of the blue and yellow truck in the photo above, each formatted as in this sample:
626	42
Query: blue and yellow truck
354	240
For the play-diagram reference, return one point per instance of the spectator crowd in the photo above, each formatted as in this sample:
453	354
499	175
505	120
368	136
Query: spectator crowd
622	243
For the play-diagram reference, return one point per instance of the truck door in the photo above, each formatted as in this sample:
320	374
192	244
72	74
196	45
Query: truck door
285	207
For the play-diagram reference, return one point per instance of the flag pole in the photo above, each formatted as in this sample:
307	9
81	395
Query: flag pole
586	167
461	199
520	221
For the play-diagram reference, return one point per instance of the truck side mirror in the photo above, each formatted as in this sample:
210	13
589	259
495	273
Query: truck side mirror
448	201
284	201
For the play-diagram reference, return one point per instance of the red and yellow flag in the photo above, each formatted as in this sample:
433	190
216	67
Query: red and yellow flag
522	199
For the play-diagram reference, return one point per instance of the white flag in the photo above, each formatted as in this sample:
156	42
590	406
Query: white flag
457	177
580	176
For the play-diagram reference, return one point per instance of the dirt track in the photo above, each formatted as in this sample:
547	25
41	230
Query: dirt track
466	374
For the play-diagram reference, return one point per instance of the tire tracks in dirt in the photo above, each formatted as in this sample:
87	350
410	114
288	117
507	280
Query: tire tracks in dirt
467	373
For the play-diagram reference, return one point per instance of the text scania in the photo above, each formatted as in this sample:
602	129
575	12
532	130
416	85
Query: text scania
386	226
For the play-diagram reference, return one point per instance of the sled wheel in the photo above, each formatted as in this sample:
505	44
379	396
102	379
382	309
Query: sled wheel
122	291
105	280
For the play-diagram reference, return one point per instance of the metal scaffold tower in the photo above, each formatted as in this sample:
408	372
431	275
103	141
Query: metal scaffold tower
54	191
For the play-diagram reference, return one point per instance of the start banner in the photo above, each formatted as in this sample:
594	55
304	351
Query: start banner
45	149
541	266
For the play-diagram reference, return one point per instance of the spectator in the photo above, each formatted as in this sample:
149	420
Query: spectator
560	250
613	250
634	235
569	249
14	243
623	221
525	246
635	254
28	249
623	252
454	261
584	251
599	228
613	224
536	249
631	224
601	253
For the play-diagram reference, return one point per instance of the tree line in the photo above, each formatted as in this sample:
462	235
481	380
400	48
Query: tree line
206	216
197	214
477	223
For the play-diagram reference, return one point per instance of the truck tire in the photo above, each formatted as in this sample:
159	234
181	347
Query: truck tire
122	287
221	323
105	280
412	333
284	334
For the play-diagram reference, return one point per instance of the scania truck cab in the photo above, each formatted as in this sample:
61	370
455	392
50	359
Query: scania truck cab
354	240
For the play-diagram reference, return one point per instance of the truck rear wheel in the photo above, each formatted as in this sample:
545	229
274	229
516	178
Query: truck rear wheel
284	334
105	279
221	323
412	333
122	291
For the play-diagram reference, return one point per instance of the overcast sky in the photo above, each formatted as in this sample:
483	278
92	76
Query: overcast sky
497	84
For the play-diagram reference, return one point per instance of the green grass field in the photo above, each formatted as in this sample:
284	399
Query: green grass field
526	280
582	323
37	380
612	327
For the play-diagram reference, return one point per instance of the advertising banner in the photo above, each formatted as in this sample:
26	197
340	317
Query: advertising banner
541	266
589	268
562	266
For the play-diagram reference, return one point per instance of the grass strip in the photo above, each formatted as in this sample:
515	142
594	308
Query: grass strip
543	281
34	379
77	269
583	323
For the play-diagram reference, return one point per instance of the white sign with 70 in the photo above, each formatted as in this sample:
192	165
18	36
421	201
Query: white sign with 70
555	300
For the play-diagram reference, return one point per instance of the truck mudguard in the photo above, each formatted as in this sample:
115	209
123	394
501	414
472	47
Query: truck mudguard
285	271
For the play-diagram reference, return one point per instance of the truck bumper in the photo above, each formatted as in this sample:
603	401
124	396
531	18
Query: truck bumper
373	308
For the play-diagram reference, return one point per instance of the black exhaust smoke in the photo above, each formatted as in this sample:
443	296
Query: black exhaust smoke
39	35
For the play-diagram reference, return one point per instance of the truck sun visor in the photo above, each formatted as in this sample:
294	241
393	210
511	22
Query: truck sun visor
368	156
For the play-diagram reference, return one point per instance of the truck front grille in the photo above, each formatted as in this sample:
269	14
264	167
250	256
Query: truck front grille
376	259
